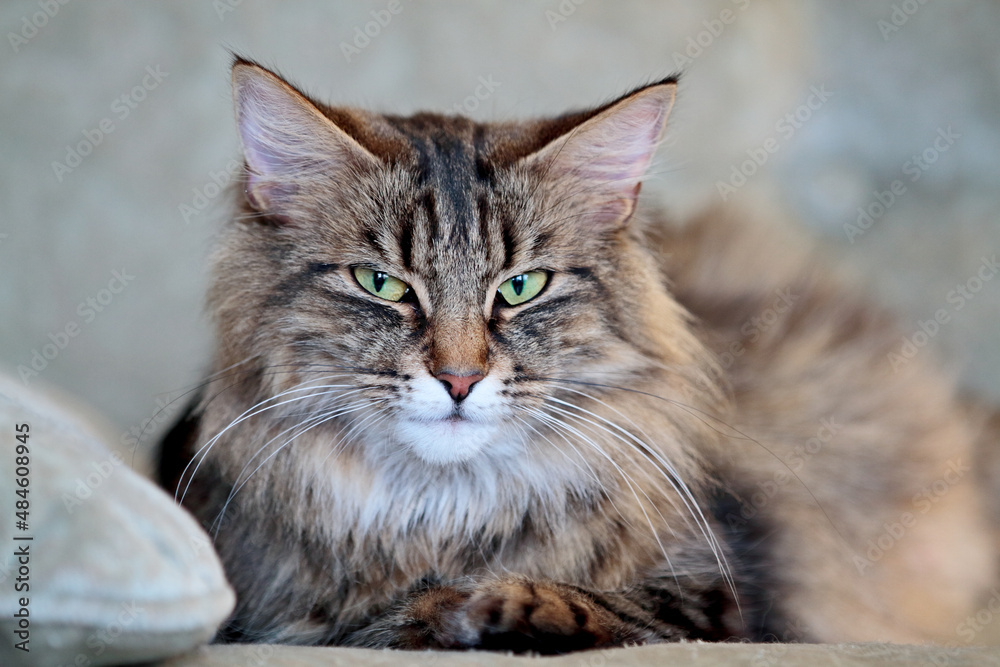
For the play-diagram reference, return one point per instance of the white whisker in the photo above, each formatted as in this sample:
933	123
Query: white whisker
247	414
314	420
672	476
590	468
358	428
327	417
625	476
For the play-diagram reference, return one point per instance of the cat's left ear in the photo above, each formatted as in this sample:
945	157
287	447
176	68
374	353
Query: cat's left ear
601	161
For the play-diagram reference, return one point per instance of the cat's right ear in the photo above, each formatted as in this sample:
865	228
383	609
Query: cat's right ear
287	141
600	162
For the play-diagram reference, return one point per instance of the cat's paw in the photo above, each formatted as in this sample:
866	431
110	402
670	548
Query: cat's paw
509	614
520	615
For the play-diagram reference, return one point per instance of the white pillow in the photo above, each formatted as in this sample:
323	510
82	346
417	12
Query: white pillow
116	572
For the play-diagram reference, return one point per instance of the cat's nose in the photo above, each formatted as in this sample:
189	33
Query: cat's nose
459	386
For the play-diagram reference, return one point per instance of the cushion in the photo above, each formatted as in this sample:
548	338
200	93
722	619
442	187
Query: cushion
112	571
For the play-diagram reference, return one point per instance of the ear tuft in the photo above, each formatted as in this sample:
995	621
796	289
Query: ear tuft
287	141
604	158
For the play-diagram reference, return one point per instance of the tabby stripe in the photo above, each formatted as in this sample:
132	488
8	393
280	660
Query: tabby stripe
586	274
666	611
483	205
714	609
605	300
553	304
484	167
425	162
323	267
429	205
453	177
287	290
540	241
509	248
354	305
644	623
375	242
406	241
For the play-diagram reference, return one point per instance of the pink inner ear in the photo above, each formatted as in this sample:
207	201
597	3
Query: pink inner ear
263	163
287	141
615	151
269	120
268	173
610	153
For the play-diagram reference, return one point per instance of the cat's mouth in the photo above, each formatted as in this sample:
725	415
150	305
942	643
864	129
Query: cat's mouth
454	421
448	439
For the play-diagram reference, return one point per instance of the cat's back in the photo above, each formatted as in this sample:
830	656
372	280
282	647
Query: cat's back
854	458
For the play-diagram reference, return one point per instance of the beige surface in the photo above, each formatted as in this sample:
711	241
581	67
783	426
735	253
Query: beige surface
697	655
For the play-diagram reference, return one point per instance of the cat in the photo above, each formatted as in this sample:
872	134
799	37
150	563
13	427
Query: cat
467	395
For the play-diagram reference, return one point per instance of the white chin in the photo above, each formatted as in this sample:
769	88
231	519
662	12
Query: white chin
443	442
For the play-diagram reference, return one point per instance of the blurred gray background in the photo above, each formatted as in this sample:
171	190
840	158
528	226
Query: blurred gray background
116	125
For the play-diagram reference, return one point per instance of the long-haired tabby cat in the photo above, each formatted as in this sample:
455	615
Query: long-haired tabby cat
467	395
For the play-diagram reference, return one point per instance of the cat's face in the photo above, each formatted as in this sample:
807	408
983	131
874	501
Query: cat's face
436	285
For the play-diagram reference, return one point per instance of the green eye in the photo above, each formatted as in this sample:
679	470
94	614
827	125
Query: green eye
381	284
523	287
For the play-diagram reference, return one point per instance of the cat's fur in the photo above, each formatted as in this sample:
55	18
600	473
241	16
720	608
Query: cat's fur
686	434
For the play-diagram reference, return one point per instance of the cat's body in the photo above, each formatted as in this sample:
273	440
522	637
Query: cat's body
463	397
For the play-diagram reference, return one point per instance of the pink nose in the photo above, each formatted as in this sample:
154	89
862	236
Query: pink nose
459	386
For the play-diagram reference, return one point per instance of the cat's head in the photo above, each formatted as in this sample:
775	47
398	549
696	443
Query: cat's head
449	285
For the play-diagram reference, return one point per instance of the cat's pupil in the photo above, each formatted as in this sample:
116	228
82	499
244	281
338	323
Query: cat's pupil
378	280
517	283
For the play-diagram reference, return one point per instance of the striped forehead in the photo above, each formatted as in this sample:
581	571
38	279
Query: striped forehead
446	168
452	224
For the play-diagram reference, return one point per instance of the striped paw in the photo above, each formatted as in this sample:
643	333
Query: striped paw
519	615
